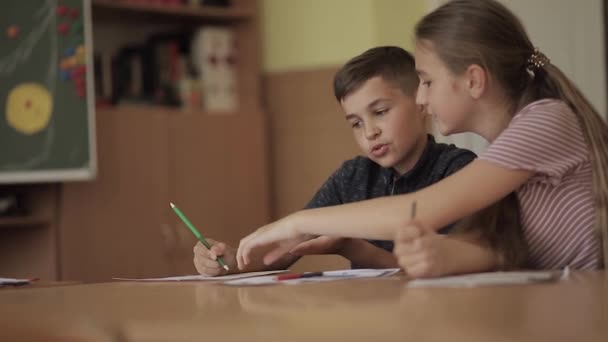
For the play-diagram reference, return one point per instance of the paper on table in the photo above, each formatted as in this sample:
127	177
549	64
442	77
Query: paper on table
206	278
491	278
327	276
13	281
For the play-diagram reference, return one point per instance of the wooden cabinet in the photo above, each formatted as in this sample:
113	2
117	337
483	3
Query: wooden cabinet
112	226
28	240
120	225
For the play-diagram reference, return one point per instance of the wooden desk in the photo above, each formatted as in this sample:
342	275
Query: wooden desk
40	283
361	310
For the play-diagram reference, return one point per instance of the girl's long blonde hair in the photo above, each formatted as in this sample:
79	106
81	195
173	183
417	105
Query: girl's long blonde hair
484	32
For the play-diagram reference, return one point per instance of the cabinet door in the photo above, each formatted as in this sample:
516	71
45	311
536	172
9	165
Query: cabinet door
218	168
28	240
117	225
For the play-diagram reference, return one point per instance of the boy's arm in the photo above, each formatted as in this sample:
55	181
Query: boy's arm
360	253
363	254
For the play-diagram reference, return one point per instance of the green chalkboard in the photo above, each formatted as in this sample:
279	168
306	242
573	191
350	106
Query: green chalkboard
46	92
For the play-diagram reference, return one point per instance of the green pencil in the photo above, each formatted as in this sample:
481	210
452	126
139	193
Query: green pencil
197	234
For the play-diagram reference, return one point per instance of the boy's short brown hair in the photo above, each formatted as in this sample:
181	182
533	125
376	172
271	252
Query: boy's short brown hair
392	63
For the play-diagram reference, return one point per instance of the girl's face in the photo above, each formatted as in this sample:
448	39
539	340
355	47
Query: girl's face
444	94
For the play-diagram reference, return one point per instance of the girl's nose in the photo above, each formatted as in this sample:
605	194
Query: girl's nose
421	98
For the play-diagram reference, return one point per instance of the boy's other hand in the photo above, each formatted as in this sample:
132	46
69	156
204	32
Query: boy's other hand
205	260
320	245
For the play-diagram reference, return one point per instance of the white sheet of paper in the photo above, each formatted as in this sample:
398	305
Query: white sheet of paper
491	279
206	278
14	281
327	276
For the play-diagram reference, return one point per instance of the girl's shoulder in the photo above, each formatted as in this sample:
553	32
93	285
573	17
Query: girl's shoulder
545	107
547	113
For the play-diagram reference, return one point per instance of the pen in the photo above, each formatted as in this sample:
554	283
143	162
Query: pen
196	233
413	211
299	275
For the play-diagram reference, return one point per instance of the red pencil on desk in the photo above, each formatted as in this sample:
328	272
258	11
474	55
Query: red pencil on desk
299	275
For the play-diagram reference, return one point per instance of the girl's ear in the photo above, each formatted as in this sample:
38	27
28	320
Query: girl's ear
477	80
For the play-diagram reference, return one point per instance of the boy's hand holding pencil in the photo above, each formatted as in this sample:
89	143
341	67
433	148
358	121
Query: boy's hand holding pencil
198	235
205	260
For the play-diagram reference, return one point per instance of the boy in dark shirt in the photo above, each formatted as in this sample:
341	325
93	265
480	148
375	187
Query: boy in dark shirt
377	91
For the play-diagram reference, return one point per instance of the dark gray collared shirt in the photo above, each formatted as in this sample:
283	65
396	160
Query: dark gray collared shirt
360	178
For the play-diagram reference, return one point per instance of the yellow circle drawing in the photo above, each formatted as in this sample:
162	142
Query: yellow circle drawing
28	108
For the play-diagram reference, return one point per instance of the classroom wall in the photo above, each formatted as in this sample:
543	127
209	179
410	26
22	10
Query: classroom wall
318	33
304	43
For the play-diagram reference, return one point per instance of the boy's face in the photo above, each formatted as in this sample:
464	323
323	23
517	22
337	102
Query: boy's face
387	124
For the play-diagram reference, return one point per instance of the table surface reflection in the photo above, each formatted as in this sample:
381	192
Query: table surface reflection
575	309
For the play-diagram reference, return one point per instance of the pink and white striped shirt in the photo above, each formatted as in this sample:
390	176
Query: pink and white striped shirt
557	210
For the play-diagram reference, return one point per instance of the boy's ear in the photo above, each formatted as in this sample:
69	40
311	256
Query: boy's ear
477	80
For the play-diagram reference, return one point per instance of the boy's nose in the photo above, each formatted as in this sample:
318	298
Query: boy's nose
372	131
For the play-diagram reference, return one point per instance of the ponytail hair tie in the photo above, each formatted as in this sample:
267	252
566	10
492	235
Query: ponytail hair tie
537	60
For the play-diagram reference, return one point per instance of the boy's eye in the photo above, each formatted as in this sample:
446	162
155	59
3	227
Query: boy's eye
425	83
356	124
381	111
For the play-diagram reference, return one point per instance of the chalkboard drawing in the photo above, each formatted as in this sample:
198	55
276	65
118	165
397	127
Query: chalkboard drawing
27	69
73	68
28	108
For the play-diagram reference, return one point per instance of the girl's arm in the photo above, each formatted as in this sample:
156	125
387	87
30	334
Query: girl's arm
474	187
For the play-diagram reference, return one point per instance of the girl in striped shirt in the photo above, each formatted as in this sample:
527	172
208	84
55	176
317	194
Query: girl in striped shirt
479	72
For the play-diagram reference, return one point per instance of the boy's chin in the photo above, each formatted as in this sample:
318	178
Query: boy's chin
374	160
385	164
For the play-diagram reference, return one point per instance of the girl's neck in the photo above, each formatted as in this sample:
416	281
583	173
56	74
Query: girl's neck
492	117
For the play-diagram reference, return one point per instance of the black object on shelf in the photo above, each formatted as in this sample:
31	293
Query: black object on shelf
218	3
9	204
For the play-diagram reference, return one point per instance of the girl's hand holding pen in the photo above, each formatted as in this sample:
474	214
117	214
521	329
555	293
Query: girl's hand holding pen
422	253
419	251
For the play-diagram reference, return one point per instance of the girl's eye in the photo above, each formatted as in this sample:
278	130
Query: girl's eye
426	83
381	111
356	124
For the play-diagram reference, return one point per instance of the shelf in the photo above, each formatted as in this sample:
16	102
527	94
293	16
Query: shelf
152	109
17	221
118	10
